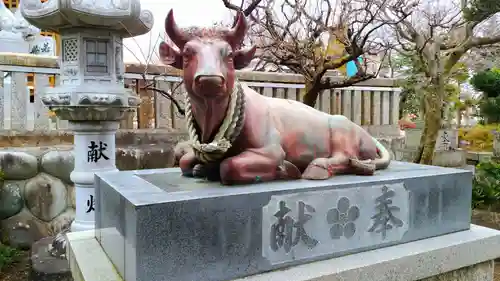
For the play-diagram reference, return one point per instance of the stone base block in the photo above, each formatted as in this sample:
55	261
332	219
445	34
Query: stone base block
392	144
450	158
478	272
461	256
45	267
157	225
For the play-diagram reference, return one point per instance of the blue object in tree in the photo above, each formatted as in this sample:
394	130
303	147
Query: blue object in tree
351	68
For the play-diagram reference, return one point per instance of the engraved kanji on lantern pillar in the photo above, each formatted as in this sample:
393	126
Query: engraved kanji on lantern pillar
91	96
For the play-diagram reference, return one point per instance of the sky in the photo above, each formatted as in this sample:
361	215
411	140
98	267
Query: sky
186	13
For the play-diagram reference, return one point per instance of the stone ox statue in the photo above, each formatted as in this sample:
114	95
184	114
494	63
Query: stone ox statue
238	136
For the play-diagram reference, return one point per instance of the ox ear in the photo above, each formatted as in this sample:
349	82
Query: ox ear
242	58
170	56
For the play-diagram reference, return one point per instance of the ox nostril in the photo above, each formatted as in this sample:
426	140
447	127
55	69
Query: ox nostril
205	79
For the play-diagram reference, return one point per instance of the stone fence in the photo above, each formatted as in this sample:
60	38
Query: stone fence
373	103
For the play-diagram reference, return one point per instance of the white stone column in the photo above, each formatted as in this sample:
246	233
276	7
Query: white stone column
356	106
2	100
386	107
395	106
94	150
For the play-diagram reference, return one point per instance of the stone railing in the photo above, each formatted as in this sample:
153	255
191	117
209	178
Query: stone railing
373	103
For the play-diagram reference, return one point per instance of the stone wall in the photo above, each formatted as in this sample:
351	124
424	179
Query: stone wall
36	193
10	138
37	196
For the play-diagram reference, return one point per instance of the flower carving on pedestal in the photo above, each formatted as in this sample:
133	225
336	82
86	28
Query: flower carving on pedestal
343	219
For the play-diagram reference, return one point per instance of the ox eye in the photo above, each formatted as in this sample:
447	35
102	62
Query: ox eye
229	55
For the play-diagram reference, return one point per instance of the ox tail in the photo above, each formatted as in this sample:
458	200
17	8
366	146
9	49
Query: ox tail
384	156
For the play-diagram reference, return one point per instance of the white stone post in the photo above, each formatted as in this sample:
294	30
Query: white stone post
94	150
94	112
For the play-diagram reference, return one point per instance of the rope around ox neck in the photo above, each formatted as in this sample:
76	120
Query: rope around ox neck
228	131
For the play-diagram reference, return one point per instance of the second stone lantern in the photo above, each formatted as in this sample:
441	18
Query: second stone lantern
91	94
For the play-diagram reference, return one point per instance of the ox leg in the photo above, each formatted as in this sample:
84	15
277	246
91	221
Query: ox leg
210	171
257	165
324	168
181	149
190	166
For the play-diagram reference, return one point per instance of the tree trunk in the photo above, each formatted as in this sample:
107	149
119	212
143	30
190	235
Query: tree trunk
433	101
311	95
459	118
449	115
402	102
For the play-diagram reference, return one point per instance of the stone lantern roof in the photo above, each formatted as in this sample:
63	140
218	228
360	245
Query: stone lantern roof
123	16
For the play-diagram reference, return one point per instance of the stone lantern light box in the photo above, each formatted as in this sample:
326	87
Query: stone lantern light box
92	35
90	56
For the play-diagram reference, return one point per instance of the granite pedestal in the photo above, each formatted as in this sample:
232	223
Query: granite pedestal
157	225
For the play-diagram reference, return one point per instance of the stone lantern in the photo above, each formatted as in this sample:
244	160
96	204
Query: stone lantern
91	94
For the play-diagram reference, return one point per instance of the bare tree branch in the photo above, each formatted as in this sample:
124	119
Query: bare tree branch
168	95
313	37
247	11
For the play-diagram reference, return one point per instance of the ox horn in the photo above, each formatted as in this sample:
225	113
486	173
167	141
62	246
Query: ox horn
236	35
174	32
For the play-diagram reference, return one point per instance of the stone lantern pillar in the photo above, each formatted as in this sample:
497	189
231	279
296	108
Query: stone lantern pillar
91	94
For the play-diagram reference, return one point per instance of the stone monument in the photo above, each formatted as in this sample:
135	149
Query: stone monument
91	94
404	222
446	153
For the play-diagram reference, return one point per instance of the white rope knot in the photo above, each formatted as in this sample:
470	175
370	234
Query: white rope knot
228	131
215	147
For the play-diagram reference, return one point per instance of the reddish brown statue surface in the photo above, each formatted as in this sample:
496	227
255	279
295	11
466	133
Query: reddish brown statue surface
239	136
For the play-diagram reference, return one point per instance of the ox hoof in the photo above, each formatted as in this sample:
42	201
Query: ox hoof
188	173
199	171
313	172
212	171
